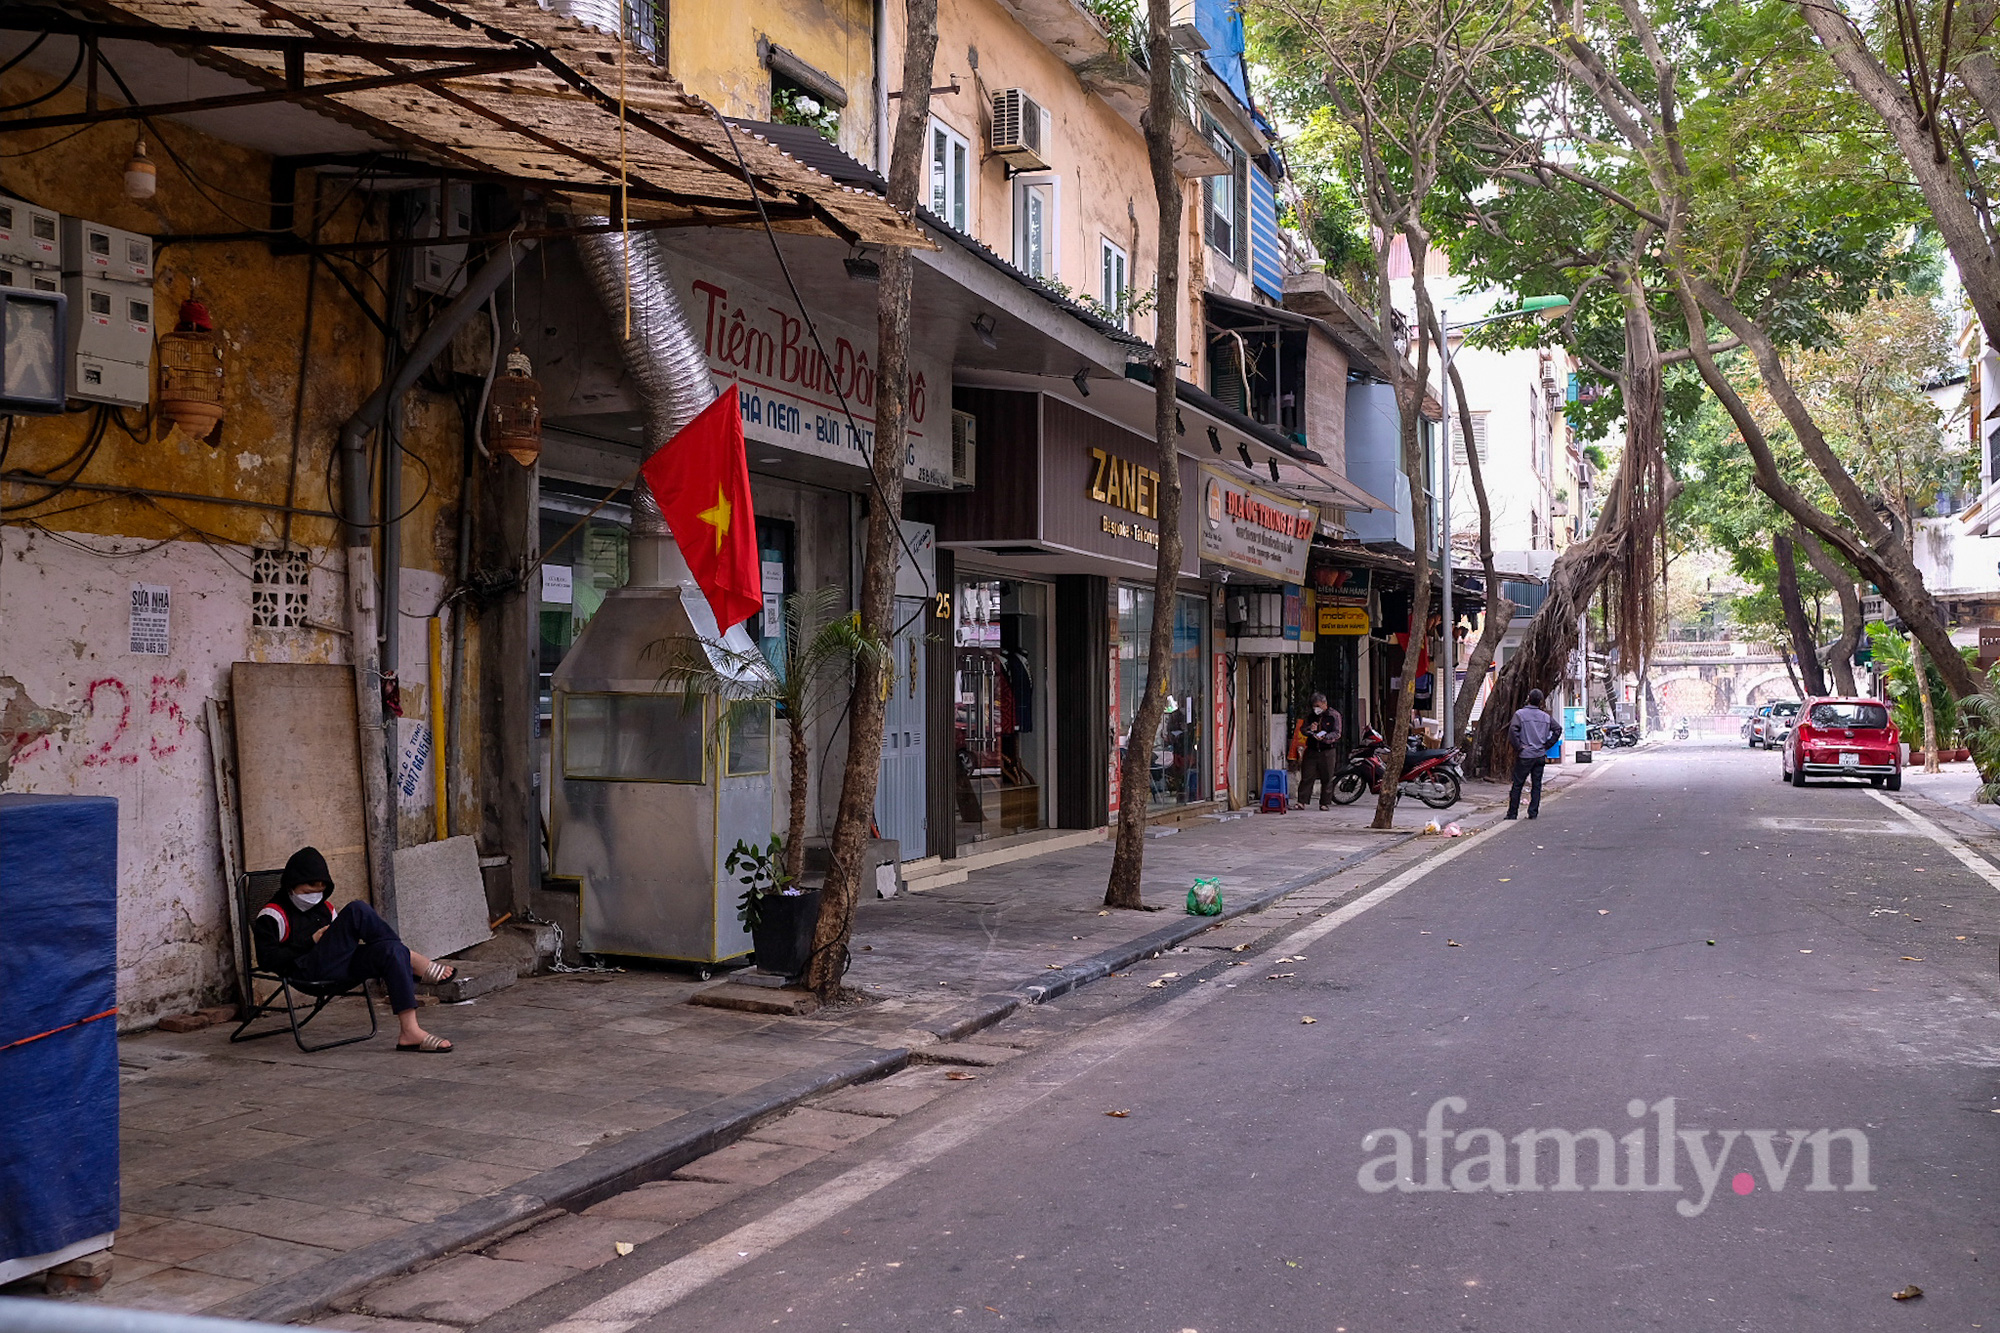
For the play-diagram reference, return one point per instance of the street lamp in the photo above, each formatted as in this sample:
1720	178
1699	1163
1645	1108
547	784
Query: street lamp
1543	308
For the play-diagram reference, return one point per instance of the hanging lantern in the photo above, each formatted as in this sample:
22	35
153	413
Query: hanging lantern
514	412
142	178
191	373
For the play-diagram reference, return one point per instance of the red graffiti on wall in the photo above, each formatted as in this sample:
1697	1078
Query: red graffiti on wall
107	751
165	702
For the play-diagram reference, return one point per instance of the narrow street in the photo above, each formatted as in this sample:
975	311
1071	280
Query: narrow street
1679	939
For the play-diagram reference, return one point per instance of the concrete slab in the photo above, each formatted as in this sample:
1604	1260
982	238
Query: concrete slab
576	1241
814	1127
965	1053
669	1202
463	1289
180	1290
756	999
368	1323
260	1259
173	1241
880	1099
749	1163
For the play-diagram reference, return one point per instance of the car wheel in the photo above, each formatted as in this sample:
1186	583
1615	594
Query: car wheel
1876	783
1894	782
1798	777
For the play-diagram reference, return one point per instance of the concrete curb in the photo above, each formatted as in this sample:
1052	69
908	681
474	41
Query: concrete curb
1097	966
658	1152
595	1176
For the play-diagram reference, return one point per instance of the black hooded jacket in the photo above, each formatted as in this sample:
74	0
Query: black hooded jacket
284	930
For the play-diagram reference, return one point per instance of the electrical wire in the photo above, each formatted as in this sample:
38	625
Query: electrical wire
67	79
29	50
81	458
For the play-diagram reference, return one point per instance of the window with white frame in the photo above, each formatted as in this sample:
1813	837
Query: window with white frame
1116	292
951	175
1036	200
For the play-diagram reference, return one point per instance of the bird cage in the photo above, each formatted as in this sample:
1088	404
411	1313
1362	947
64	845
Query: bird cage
191	373
514	412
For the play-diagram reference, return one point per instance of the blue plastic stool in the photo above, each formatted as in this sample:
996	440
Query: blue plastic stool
1277	791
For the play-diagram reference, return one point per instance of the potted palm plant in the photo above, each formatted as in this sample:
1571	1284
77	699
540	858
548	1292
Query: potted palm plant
779	912
804	678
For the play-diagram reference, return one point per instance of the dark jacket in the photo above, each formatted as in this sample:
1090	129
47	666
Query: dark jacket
1322	730
1532	732
284	930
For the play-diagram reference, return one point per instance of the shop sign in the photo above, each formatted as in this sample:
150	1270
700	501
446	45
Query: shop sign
1255	530
1295	611
1335	619
1989	641
793	385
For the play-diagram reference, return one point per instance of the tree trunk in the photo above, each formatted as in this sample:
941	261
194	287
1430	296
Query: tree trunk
1946	191
1924	701
856	813
1804	646
801	790
1135	782
1840	657
1869	544
1409	388
1499	611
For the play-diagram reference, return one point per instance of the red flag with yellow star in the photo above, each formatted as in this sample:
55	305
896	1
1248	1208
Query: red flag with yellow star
702	481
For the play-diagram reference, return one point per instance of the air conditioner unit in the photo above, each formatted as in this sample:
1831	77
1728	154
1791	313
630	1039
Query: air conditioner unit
964	449
1020	130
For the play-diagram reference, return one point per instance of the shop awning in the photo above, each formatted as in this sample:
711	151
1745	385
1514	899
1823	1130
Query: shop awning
487	89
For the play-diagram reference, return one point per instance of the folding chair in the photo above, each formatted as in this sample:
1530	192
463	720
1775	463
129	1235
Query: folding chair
253	890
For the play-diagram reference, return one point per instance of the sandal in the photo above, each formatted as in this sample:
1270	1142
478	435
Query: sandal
430	1045
438	973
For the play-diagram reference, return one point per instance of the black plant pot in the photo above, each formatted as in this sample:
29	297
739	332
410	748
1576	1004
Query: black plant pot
783	935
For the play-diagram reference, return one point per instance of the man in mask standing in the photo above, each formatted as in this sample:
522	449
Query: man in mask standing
1533	732
301	937
1321	730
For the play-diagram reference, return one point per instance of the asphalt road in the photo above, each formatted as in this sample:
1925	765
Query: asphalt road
1680	927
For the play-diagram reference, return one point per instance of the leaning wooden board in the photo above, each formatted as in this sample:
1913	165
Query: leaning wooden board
298	768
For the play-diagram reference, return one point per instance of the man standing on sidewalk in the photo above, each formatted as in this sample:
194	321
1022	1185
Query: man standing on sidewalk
1532	732
1321	730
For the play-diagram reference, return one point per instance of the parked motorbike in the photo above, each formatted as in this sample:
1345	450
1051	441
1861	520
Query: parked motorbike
1429	775
1681	731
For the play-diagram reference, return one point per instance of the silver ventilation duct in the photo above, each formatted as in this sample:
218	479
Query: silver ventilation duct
604	15
663	356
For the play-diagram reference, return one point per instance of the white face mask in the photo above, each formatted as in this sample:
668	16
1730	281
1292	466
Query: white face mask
307	899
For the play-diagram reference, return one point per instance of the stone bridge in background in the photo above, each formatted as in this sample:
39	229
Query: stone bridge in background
1693	678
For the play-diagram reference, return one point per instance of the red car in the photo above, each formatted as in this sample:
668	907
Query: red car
1844	738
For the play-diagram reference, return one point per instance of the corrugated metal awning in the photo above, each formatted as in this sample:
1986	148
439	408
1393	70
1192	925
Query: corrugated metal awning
502	88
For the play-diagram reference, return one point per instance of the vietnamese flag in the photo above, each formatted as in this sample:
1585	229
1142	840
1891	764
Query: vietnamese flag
702	481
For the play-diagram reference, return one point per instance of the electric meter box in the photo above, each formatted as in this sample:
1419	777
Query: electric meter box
441	268
110	340
30	237
94	250
30	279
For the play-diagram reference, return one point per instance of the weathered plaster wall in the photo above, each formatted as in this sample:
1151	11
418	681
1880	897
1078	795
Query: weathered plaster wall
81	713
86	716
712	50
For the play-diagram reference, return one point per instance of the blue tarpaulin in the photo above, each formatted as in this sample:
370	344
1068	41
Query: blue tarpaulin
58	1022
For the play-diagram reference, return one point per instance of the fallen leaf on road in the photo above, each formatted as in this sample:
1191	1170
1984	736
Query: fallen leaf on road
1805	951
1241	962
1308	1020
1908	959
1958	937
623	1247
1909	1293
1280	976
1238	948
1055	967
960	1076
1107	911
1507	879
1291	1263
1118	1115
1453	944
1604	911
1155	985
1705	854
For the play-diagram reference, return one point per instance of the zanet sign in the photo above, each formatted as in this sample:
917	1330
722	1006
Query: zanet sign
1254	530
793	386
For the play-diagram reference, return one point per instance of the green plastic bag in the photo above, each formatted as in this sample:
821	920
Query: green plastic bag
1205	898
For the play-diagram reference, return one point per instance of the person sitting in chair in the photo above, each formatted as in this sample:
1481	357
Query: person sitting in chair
302	937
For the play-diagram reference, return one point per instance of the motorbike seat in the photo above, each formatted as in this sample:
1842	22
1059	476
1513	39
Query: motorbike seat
1416	756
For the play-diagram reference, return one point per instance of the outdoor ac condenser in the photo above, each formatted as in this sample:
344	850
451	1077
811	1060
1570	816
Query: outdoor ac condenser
1018	130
